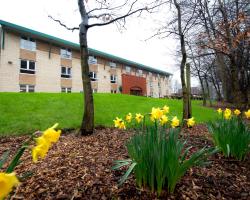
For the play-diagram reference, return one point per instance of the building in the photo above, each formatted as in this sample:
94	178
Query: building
31	61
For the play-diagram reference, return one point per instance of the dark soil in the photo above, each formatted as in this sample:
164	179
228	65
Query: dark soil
80	168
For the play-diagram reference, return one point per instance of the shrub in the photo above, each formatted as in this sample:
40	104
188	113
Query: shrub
159	156
231	135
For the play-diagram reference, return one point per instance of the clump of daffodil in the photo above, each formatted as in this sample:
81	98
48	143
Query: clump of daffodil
227	113
44	142
219	111
247	114
7	182
165	109
156	114
237	112
190	122
163	120
128	117
175	122
119	123
139	117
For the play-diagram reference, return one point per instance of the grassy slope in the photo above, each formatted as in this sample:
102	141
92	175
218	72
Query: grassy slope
23	113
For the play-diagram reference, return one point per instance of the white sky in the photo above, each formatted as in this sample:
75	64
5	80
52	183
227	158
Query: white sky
130	44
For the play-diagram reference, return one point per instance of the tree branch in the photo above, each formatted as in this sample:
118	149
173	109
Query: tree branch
62	24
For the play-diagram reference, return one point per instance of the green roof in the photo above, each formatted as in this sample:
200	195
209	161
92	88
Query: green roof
59	41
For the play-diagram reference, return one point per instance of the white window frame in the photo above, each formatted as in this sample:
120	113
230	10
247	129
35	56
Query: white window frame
94	90
28	43
112	64
68	73
27	88
66	53
128	69
93	76
92	60
150	84
113	91
139	72
27	69
66	89
113	78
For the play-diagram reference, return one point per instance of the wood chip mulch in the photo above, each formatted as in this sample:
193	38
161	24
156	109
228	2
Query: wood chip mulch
80	168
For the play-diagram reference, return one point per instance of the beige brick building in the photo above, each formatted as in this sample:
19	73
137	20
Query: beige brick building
32	61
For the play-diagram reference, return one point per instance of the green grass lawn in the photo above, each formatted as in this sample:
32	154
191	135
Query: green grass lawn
24	113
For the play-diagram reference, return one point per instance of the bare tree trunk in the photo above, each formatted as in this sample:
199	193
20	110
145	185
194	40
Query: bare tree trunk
208	91
204	102
186	106
87	126
188	78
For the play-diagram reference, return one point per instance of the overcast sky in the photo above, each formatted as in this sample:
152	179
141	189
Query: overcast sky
129	44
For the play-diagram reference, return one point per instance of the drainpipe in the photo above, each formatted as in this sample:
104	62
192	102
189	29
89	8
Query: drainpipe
1	30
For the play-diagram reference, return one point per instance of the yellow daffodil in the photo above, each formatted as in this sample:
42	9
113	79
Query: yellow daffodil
175	122
165	109
7	182
128	117
139	117
219	111
227	113
163	120
51	134
156	113
119	123
237	112
190	122
43	143
247	113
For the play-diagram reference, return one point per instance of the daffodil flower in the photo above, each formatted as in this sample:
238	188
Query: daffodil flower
156	114
128	117
219	111
165	109
237	112
7	182
44	142
119	123
139	117
190	122
175	122
163	120
247	113
227	113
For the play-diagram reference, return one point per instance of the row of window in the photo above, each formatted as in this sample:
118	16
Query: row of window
30	44
31	88
29	67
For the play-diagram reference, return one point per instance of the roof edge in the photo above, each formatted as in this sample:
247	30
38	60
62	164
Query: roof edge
73	45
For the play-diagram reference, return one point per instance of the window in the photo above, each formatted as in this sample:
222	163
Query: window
94	90
92	60
151	84
112	65
113	79
65	72
27	88
66	89
93	76
113	91
128	69
66	53
28	43
149	73
139	72
27	67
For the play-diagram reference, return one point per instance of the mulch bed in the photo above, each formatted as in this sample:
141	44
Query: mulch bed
80	168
